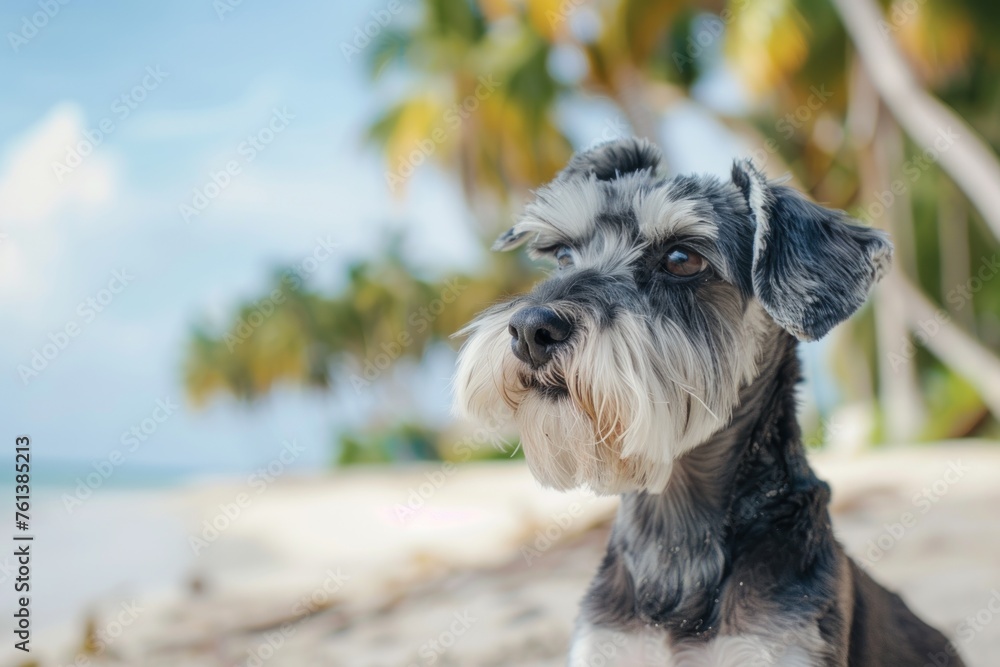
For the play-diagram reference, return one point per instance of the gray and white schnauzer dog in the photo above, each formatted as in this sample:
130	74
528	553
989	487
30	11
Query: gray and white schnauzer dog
659	362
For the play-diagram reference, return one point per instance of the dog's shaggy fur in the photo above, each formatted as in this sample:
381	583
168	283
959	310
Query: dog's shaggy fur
659	362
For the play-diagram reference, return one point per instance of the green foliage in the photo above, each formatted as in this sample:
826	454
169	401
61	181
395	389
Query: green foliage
296	334
953	406
399	442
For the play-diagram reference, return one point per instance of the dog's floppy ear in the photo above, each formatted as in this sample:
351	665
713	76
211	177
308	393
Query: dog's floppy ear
812	268
604	162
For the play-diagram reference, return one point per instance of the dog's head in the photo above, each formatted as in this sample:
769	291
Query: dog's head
666	292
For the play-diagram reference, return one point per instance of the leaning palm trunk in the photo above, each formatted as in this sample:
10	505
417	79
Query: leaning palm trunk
969	161
899	387
949	343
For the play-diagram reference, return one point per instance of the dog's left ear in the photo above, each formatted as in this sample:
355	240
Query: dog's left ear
812	268
605	162
612	159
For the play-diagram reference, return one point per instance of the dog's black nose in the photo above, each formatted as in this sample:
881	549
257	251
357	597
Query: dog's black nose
536	333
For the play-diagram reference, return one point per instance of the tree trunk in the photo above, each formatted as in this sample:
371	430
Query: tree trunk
970	162
953	241
951	344
899	388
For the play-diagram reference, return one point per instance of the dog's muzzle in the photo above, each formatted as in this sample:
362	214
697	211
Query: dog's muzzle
536	333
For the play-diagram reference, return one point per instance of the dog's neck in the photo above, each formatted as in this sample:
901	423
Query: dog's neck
761	441
671	553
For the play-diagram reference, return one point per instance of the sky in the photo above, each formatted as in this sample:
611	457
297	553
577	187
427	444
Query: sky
157	162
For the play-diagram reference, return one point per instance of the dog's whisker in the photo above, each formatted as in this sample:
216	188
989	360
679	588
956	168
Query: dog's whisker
700	401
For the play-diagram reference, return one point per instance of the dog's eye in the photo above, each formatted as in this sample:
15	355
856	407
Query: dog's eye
683	262
564	256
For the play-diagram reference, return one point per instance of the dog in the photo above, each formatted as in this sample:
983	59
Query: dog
658	362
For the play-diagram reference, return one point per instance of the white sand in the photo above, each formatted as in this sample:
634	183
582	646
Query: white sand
449	583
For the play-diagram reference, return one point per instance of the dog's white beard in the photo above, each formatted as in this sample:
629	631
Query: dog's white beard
634	403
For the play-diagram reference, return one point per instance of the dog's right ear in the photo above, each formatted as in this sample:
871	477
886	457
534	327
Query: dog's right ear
604	162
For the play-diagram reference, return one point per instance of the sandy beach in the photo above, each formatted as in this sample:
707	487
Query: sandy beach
473	566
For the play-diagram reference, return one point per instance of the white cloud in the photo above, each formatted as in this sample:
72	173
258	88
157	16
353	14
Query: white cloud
37	211
30	189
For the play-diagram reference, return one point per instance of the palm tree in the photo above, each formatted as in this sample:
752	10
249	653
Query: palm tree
482	105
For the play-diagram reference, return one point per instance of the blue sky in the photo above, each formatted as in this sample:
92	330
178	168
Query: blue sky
218	81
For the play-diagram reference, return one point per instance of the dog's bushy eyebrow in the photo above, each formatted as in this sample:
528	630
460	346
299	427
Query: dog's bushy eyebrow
660	213
704	214
562	213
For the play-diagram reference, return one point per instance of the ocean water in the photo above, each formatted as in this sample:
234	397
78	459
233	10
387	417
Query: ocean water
52	475
97	552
